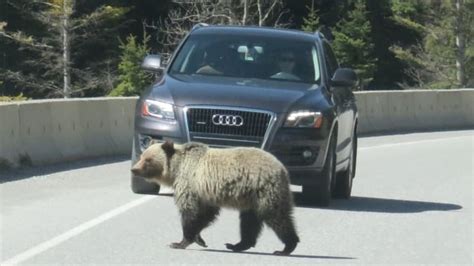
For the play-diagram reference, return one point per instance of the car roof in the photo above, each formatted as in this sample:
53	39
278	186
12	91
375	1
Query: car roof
254	30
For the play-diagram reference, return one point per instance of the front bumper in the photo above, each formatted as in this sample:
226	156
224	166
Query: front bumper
302	151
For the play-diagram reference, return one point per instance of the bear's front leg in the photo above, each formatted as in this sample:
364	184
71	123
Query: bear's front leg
184	243
200	241
189	222
195	216
180	245
250	228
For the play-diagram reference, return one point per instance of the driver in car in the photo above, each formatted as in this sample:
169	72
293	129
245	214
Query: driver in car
286	65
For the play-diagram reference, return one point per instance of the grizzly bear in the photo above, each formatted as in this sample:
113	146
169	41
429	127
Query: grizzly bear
204	179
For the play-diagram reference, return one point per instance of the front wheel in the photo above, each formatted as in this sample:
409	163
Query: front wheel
138	184
344	179
321	194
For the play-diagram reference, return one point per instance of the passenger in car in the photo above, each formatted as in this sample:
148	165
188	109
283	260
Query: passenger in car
211	61
220	62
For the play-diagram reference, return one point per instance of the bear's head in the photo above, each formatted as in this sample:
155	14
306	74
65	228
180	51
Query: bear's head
154	163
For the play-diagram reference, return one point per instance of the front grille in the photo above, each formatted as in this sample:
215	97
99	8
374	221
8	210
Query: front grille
250	133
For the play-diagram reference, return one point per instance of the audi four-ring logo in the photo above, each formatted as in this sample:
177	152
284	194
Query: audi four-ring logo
227	120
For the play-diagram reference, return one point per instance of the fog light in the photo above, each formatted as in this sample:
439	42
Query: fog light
307	154
145	142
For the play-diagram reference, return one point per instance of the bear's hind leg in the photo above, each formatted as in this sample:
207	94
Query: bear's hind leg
285	230
250	228
193	223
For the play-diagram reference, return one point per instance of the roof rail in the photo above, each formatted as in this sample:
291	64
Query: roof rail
199	25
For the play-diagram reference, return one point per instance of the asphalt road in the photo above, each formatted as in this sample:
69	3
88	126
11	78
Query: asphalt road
412	203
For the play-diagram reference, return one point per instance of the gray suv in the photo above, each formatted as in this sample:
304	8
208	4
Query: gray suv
279	90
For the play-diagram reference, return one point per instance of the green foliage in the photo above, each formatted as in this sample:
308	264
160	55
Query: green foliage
409	24
17	98
32	36
311	21
402	41
432	62
353	44
408	8
132	78
406	55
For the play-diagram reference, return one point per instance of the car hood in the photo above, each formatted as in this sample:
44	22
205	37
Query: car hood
275	96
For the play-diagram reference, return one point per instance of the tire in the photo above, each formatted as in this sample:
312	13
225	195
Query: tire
322	193
138	184
344	179
354	163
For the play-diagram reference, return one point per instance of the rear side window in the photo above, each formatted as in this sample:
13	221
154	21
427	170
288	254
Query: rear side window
331	61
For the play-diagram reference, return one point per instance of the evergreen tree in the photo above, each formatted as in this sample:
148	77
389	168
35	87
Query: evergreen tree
51	63
444	56
132	79
410	16
353	44
311	21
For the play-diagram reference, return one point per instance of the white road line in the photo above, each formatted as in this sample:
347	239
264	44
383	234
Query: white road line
409	143
74	232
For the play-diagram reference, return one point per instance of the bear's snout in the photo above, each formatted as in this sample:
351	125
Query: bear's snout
147	169
135	171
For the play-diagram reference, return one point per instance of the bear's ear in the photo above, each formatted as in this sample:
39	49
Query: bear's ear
168	147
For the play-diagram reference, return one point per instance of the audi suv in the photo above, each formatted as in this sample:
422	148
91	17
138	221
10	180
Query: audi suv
279	90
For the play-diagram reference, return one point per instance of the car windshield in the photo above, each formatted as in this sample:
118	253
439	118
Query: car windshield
248	57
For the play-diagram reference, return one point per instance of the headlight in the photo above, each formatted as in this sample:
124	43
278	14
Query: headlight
304	119
158	109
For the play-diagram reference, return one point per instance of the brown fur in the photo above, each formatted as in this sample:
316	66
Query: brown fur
205	179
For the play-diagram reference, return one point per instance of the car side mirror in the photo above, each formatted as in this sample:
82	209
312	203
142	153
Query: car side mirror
344	77
152	63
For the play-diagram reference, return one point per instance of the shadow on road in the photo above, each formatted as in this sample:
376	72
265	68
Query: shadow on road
271	254
27	172
366	204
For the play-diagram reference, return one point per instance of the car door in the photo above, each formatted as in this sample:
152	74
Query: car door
342	98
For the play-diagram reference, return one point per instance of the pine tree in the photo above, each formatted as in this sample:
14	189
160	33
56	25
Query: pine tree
444	56
353	44
311	21
132	79
52	65
410	16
